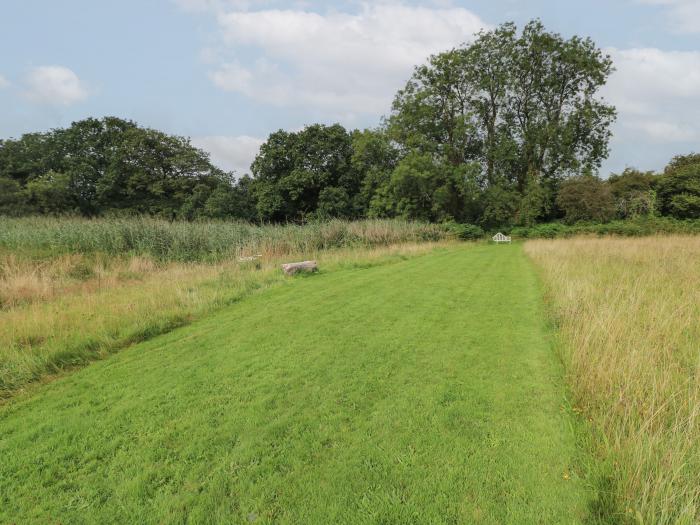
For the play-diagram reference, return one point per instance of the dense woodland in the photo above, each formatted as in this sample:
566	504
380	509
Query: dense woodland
508	130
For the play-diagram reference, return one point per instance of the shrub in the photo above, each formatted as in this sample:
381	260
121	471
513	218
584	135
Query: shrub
465	232
630	228
586	198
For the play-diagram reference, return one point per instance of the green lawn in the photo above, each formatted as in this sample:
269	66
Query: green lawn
424	391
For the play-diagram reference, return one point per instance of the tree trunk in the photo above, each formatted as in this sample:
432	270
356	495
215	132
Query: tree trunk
306	266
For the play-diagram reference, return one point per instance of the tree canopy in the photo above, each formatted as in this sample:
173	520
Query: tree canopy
506	130
110	165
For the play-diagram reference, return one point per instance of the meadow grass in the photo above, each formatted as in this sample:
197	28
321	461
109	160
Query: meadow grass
62	312
628	313
202	241
424	391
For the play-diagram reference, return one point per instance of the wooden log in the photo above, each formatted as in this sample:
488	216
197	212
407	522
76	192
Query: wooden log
305	266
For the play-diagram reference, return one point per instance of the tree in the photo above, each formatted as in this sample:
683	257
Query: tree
233	200
634	192
679	188
421	188
333	202
12	198
374	158
51	193
586	198
292	170
523	106
101	165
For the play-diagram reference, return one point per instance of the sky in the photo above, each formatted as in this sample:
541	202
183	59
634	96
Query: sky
227	73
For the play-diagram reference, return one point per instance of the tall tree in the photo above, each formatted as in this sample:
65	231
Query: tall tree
524	106
100	165
294	171
679	187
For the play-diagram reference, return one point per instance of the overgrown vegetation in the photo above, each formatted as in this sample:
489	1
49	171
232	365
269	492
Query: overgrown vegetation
627	311
639	227
203	240
72	290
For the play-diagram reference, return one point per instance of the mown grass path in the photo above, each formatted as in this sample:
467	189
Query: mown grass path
424	391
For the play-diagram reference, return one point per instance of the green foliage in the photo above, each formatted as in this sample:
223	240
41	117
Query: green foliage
12	197
679	188
523	106
586	198
500	205
112	165
333	202
634	193
51	192
505	131
638	227
374	158
465	232
293	169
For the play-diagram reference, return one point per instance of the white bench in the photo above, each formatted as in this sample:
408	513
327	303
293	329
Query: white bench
499	238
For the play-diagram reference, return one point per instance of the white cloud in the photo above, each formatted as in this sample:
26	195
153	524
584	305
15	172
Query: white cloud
657	94
346	63
683	15
54	85
230	153
4	82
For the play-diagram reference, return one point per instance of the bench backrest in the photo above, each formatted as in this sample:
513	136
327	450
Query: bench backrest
499	237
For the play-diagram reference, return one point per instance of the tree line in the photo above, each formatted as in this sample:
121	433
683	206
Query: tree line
507	130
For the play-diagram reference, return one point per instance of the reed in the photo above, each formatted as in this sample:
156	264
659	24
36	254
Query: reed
208	241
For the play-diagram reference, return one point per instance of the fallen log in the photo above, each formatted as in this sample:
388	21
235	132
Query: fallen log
305	266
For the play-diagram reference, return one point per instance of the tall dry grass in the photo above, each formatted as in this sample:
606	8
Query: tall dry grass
56	317
628	312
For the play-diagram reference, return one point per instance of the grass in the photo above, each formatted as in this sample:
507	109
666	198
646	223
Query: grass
424	391
628	312
210	241
63	312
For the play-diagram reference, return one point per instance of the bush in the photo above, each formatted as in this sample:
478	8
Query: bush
630	228
586	198
465	232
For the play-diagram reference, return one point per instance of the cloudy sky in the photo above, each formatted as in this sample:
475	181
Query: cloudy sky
228	72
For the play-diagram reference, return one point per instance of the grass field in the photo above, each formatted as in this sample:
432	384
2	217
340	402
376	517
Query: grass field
422	391
72	290
63	322
628	313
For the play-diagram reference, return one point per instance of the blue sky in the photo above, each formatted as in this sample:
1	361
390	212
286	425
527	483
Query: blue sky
228	72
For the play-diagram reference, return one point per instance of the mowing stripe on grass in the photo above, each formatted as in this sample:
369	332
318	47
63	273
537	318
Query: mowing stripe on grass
421	392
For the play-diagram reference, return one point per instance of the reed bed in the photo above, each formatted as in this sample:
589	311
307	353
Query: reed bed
628	312
208	241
